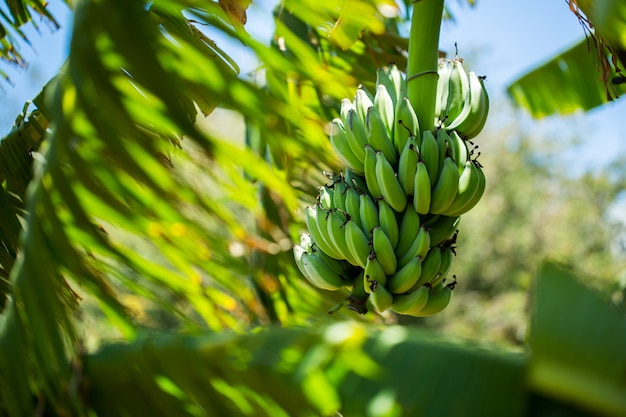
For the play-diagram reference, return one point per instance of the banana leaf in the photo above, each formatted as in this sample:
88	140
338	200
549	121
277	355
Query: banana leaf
567	83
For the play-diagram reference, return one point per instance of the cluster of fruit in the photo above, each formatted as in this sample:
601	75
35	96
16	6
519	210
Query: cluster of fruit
386	226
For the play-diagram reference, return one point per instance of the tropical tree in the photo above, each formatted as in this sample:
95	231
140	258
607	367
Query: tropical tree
117	205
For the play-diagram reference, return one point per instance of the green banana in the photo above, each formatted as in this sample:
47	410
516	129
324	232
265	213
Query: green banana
408	229
378	138
337	220
445	189
340	187
355	180
444	267
388	222
419	247
463	207
371	179
319	273
362	102
325	196
410	303
385	106
356	134
438	300
443	228
468	185
458	91
353	204
357	243
390	188
346	106
406	277
383	79
381	298
474	114
316	222
397	79
429	153
384	251
443	145
368	212
406	124
374	274
430	268
407	166
422	193
461	153
339	142
443	70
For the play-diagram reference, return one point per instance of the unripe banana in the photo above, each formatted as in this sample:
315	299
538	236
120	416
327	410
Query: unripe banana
429	153
355	180
430	266
316	222
443	228
339	188
406	277
443	70
381	298
422	193
407	166
397	79
384	251
438	300
319	273
368	211
325	197
446	187
353	204
444	267
476	196
410	303
458	91
443	144
357	243
377	137
374	274
371	179
474	115
388	182
346	106
386	108
383	79
406	124
408	229
468	185
362	102
356	134
337	220
388	222
419	247
339	142
461	153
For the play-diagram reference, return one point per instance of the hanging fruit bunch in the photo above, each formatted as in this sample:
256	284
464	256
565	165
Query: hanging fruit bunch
386	226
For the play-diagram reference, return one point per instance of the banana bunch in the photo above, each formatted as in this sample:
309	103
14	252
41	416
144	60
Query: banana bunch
386	226
462	101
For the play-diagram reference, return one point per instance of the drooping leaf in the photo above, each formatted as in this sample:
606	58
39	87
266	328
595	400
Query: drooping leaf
567	83
578	345
343	367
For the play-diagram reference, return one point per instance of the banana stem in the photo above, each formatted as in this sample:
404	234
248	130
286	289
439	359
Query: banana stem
423	58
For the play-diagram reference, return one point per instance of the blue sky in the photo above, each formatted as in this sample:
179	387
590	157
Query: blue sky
504	38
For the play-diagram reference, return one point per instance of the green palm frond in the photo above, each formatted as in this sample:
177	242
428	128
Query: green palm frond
128	196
